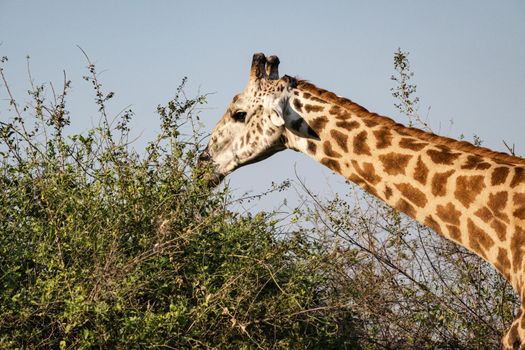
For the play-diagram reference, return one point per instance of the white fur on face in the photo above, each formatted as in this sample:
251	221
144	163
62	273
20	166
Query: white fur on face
236	143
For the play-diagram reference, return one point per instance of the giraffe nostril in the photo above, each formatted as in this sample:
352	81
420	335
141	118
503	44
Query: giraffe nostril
205	156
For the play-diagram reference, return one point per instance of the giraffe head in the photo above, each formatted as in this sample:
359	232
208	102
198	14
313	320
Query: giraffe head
253	127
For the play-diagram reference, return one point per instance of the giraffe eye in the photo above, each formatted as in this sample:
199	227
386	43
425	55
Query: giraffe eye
239	116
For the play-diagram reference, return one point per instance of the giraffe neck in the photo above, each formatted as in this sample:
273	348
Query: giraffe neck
472	196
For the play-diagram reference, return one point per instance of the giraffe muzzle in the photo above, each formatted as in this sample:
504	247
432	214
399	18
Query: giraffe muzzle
206	170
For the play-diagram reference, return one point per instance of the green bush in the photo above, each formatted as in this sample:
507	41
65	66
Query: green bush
102	246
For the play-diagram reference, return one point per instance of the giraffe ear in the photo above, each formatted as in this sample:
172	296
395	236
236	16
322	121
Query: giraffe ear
257	71
298	126
272	67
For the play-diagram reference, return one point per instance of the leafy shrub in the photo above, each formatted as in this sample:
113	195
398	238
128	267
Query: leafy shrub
102	246
105	247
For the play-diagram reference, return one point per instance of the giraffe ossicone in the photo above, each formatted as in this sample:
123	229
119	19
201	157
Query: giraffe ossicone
471	195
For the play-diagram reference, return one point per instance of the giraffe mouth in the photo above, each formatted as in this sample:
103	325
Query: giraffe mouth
206	170
213	180
205	173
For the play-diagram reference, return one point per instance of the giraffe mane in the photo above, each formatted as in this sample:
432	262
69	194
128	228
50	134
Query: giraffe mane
362	112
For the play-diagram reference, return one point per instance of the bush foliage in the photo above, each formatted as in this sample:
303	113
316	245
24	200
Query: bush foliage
102	246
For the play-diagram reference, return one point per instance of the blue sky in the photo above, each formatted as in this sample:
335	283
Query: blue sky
468	58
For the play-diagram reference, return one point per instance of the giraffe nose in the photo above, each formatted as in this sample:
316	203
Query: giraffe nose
205	156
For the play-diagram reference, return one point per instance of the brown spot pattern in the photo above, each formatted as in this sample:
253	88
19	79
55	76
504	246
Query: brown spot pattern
370	122
405	207
439	183
500	228
517	247
339	113
497	219
370	189
497	203
433	224
421	171
361	182
319	123
499	175
503	263
298	105
479	241
484	214
332	164
341	139
413	194
329	151
475	162
442	155
383	138
348	125
388	192
454	232
468	188
313	108
312	147
360	145
335	110
367	172
519	177
394	163
412	144
317	99
356	179
519	204
448	213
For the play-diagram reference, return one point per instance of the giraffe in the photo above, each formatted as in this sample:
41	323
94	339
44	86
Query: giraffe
471	195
